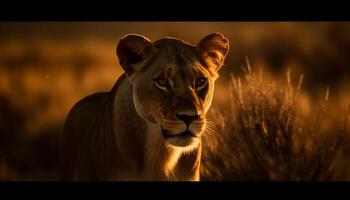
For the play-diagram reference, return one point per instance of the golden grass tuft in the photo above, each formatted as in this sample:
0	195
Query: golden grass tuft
265	135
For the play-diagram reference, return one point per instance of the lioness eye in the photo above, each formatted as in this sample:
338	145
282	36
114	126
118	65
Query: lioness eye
200	82
161	82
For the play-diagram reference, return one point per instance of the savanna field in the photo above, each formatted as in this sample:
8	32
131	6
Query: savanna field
281	110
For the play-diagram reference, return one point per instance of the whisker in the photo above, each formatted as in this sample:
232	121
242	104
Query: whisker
209	131
211	123
211	127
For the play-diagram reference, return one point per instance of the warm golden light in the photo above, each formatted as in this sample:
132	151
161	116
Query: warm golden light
298	78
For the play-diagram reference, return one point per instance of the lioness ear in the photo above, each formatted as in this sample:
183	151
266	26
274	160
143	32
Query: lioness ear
213	48
133	51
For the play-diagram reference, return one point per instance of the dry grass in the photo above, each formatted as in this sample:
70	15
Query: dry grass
266	136
43	72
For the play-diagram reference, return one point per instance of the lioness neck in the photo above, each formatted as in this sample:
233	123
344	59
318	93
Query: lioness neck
160	160
142	152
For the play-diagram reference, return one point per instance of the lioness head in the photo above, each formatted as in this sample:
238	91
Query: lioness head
173	82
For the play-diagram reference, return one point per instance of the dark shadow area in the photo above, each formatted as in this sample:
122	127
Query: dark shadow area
45	68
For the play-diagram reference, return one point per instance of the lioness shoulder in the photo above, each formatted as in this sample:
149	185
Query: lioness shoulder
149	126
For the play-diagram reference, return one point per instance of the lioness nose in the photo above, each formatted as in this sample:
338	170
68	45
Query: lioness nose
187	118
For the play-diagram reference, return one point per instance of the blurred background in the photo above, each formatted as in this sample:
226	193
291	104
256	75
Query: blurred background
46	67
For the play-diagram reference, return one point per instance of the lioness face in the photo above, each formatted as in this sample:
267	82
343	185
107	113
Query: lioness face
173	82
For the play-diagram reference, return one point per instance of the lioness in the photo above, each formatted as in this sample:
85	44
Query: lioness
149	126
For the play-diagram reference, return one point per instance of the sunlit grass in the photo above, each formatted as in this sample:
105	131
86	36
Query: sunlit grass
265	135
43	76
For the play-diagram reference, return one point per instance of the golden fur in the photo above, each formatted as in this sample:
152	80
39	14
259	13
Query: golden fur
148	127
